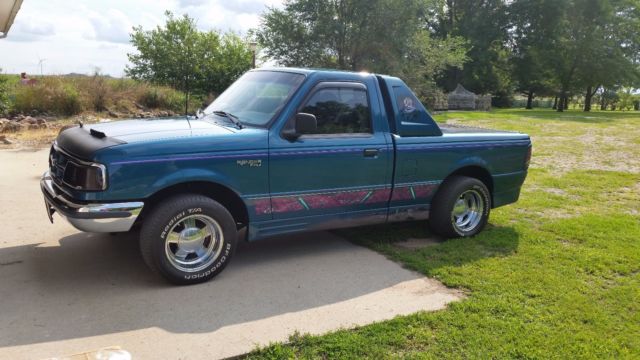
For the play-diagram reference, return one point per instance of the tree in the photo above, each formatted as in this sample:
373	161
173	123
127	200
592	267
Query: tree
531	27
530	74
483	24
385	36
543	47
613	44
609	97
627	99
232	59
179	55
427	57
344	34
586	43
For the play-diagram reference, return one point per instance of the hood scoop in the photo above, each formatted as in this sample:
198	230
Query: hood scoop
97	134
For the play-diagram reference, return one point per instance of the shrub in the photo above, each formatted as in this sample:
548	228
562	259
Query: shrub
124	93
4	95
49	95
161	98
502	99
71	95
435	100
68	101
99	92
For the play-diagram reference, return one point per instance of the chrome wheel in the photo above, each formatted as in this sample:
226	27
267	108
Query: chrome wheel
194	243
467	211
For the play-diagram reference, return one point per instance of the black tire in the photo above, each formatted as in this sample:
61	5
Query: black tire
442	220
173	214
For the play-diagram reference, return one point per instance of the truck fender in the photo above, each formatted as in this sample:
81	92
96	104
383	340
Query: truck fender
208	183
475	161
193	175
475	167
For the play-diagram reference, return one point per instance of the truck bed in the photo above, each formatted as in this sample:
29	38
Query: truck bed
463	129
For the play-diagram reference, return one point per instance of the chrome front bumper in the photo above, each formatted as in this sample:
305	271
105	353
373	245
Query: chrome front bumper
111	217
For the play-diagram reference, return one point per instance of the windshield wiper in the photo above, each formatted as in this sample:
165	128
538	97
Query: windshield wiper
234	119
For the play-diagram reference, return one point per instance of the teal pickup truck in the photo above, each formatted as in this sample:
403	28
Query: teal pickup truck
280	151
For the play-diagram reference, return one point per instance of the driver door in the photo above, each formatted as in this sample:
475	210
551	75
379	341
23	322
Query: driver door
339	169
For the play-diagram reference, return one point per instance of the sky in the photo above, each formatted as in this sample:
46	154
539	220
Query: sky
82	35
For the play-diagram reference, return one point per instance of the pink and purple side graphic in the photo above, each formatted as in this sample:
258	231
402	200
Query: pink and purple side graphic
334	199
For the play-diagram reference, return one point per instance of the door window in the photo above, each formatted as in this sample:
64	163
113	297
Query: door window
340	110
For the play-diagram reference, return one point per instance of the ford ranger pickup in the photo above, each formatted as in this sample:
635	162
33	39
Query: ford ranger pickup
280	151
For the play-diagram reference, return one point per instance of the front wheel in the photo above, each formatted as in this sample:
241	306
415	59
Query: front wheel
460	208
188	239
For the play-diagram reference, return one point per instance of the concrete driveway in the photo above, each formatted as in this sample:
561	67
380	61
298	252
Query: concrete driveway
64	292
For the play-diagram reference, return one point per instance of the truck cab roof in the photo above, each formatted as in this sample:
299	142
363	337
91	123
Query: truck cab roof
330	74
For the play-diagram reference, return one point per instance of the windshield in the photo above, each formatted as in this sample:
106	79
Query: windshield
257	96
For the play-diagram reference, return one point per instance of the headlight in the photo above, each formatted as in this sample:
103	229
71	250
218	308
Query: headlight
90	177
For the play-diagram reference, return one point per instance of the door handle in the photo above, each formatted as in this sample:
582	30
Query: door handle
370	152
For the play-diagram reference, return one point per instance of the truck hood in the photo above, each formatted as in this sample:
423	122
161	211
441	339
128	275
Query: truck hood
152	129
84	142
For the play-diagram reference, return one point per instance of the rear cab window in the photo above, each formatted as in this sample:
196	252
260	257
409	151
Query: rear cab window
407	116
410	108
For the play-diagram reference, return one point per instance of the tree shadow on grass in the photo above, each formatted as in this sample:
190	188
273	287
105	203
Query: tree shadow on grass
596	117
573	118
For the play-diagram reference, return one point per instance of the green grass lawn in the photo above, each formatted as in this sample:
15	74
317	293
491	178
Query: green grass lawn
556	275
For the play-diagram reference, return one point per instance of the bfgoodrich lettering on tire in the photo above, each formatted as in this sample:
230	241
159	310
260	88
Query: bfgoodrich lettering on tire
188	239
460	208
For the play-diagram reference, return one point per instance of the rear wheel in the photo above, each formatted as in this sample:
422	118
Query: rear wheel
188	239
460	208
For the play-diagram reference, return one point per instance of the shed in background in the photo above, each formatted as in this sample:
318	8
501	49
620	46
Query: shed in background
461	99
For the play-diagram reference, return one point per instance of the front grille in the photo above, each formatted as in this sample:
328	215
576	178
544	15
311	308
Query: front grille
57	165
67	171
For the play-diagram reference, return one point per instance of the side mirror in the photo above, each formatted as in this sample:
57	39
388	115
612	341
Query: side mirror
306	123
303	123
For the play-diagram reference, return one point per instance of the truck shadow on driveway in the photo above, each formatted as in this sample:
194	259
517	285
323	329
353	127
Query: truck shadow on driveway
96	284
